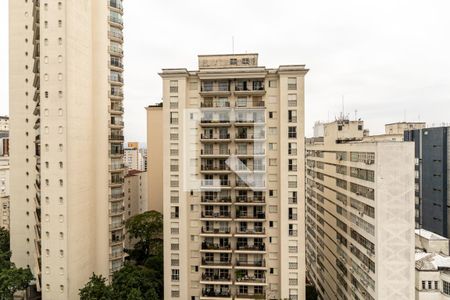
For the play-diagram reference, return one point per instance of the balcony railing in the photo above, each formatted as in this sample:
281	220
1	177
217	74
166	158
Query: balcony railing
216	277
216	293
246	215
256	230
208	214
251	296
206	199
215	137
256	263
251	279
250	199
216	262
210	246
214	168
245	247
215	230
215	183
210	152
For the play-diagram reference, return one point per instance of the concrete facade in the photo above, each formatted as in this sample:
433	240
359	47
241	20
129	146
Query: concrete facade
359	215
154	155
233	156
66	141
401	127
4	192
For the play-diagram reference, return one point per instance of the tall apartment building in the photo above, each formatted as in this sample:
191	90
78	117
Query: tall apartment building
233	180
67	134
359	215
154	155
432	166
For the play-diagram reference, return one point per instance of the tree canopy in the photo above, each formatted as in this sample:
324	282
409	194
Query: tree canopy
142	276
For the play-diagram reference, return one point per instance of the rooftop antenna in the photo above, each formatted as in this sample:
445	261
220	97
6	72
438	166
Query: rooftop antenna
356	115
232	43
342	113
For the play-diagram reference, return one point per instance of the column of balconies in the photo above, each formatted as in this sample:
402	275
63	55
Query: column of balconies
116	138
232	197
37	127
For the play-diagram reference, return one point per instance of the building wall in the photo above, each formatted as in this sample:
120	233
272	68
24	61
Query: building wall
60	137
4	193
352	219
154	155
4	123
432	178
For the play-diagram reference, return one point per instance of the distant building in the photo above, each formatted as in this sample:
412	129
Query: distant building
432	266
133	158
4	192
318	129
154	156
400	127
432	153
135	187
4	123
359	214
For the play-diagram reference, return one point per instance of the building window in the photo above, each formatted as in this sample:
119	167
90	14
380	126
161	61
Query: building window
292	83
446	287
175	275
174	86
273	83
292	132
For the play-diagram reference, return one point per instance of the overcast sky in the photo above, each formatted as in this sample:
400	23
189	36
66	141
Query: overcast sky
390	60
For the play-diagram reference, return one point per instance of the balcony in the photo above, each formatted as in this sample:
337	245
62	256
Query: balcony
250	184
116	197
249	136
116	226
116	137
117	80
116	94
250	199
116	239
115	36
217	262
250	279
210	153
117	167
116	211
219	200
215	122
255	263
117	52
217	277
216	168
211	230
214	104
211	137
211	246
209	88
210	293
246	247
215	184
117	4
210	214
116	181
248	215
250	296
116	21
248	231
116	109
116	123
245	88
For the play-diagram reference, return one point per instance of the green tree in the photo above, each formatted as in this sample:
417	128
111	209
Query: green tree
143	279
12	280
147	230
96	289
135	294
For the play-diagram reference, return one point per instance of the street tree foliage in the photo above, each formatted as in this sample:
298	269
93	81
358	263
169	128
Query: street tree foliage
12	279
142	276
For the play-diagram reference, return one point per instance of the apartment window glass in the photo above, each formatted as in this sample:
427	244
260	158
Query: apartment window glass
292	132
174	86
446	287
292	83
273	83
174	118
173	102
292	100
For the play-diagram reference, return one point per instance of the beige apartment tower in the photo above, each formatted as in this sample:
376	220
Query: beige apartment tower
66	141
359	214
233	180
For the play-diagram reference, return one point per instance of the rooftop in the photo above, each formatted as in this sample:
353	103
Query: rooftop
431	261
429	235
133	173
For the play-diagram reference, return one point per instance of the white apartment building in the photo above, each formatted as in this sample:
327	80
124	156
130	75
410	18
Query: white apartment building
66	141
233	180
359	214
432	266
133	159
